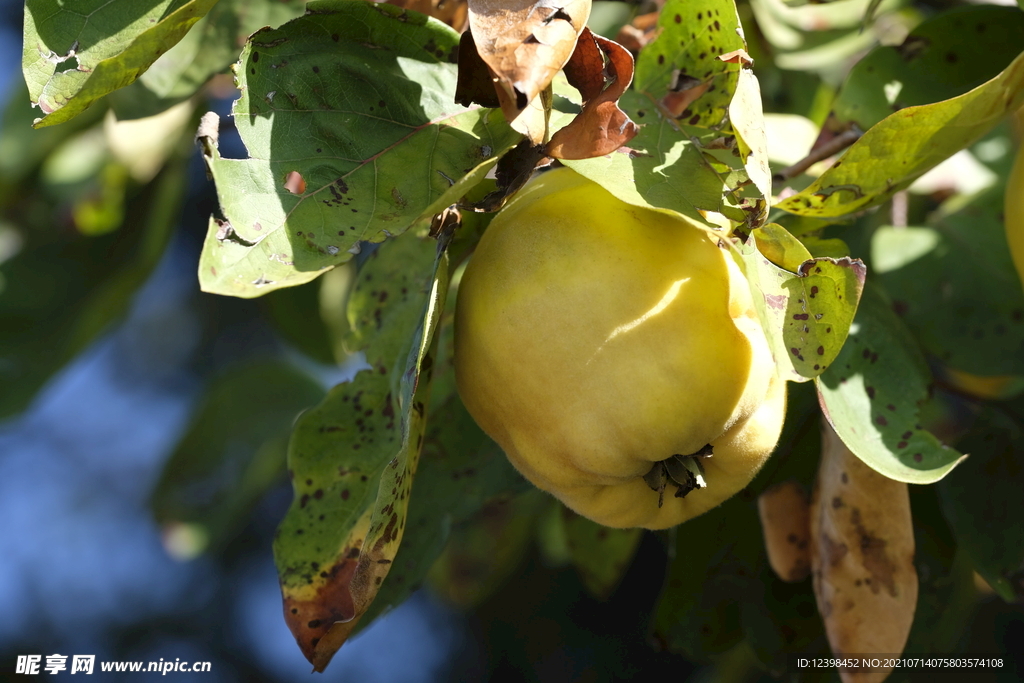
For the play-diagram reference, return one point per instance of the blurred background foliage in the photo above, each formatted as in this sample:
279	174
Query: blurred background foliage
145	424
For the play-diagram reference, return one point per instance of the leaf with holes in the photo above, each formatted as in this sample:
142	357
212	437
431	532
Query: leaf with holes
352	460
941	58
900	148
75	54
353	134
871	396
806	314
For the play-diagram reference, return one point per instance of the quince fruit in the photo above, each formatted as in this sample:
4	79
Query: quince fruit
611	350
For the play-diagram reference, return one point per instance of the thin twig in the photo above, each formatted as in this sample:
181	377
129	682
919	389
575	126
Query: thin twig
899	210
833	146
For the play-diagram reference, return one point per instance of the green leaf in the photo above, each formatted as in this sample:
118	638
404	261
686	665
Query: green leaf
233	449
601	555
955	286
484	552
607	17
666	166
389	283
353	135
941	58
662	168
806	314
352	460
73	55
60	292
945	597
691	37
460	470
782	620
983	501
295	315
899	149
872	393
212	44
818	38
713	569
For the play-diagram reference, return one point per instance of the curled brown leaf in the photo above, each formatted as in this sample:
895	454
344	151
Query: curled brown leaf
601	70
635	35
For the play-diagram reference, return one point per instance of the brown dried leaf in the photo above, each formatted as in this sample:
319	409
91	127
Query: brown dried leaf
312	612
862	558
601	70
635	35
785	521
685	90
525	43
737	57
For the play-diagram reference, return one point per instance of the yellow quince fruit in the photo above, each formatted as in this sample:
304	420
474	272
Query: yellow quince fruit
612	350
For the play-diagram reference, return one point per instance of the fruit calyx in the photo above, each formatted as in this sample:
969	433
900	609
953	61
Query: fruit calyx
685	472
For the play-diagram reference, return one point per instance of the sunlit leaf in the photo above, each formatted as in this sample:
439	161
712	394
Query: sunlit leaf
904	145
681	98
747	119
75	54
347	143
805	312
937	61
872	393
